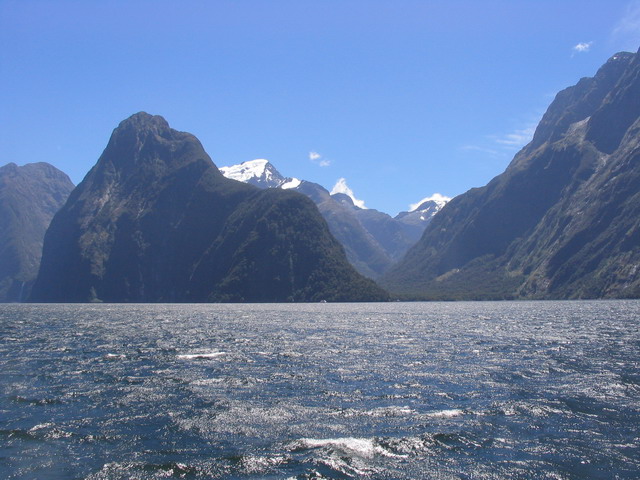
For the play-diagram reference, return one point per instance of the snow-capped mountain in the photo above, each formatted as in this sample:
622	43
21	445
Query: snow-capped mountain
372	240
260	173
421	213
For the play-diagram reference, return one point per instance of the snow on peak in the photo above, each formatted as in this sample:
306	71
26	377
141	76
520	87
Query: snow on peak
438	199
290	183
342	187
247	170
260	173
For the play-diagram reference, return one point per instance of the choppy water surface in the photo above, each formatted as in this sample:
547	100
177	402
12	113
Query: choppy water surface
405	390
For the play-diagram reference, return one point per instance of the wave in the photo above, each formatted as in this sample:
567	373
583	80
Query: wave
450	413
361	447
201	356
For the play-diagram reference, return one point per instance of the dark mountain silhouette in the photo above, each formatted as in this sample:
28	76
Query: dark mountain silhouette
30	195
563	220
155	221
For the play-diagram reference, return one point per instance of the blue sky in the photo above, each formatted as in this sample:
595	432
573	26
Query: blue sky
401	98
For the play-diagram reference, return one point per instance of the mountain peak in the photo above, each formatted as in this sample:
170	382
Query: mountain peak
142	126
621	56
143	120
580	101
258	168
9	167
344	199
342	187
261	173
436	199
147	141
421	213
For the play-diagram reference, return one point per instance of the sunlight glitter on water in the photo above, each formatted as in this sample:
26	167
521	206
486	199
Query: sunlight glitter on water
416	390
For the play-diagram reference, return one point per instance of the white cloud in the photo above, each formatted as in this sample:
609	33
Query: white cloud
317	158
582	47
342	187
627	31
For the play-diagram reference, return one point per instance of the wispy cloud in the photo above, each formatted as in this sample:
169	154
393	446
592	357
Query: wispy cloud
478	148
582	47
626	33
342	187
318	159
504	144
516	139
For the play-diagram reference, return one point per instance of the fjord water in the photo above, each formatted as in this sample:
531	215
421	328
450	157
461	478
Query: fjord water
545	390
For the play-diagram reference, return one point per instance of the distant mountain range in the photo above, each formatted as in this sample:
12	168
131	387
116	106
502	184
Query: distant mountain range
30	196
373	240
563	220
155	221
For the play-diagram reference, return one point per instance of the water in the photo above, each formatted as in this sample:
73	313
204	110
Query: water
384	391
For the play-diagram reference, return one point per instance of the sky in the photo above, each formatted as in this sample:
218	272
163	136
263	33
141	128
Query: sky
395	100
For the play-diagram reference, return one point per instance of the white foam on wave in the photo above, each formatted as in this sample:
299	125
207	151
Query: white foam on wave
393	411
354	468
454	412
40	426
201	356
208	381
258	464
115	355
361	447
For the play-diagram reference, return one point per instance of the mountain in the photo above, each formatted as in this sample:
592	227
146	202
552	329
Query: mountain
398	234
372	239
394	237
362	249
562	221
155	221
419	217
260	173
30	195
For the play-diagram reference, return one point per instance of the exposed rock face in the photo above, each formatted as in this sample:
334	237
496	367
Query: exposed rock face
563	221
29	198
155	221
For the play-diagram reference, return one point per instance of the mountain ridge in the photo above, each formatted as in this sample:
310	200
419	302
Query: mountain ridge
539	229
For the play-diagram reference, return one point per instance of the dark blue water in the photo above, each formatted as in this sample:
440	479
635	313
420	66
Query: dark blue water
404	390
